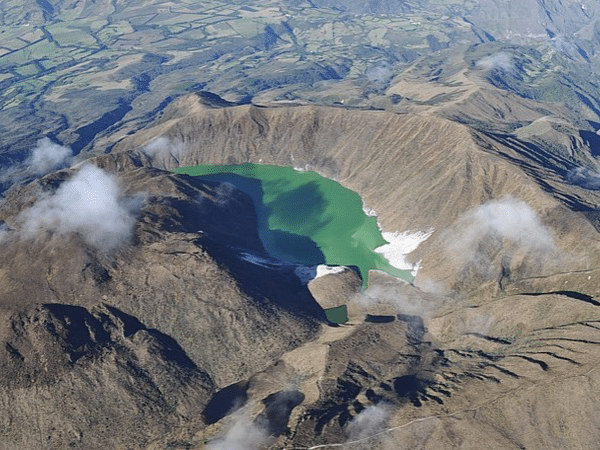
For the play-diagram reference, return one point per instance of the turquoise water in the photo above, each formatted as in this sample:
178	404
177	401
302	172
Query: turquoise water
305	218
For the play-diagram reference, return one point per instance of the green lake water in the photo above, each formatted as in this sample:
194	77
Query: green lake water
305	218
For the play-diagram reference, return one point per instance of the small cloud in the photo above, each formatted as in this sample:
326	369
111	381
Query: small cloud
90	204
389	296
508	228
380	73
392	299
496	61
164	152
509	219
240	434
157	146
431	285
584	178
475	322
46	157
368	422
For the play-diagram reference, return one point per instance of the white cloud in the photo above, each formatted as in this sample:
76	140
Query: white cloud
46	157
89	204
380	73
223	192
499	60
393	298
508	229
164	152
368	422
240	434
585	178
508	218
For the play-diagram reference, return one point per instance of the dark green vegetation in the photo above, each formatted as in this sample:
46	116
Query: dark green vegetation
306	218
338	314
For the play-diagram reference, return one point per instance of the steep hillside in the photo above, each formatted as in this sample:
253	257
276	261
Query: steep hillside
504	287
503	306
163	318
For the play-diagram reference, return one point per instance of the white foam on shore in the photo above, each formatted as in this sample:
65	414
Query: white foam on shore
401	244
323	270
306	168
369	212
299	168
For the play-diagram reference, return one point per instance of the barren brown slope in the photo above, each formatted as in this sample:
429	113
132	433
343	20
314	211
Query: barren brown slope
118	348
519	329
453	364
388	158
416	171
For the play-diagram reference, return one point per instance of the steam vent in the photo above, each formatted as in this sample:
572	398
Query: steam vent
297	224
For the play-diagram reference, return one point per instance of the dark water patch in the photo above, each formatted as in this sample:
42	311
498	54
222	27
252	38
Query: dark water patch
338	314
225	402
308	203
379	319
298	249
571	294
